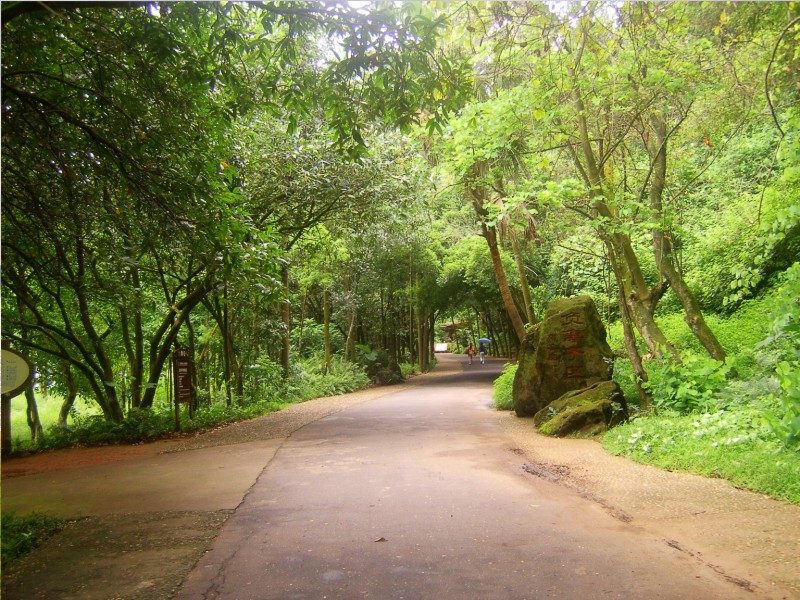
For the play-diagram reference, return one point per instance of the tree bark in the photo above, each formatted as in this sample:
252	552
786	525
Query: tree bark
523	277
107	399
639	373
350	338
479	197
5	425
32	414
639	298
134	341
326	318
69	399
286	318
161	341
421	341
662	244
226	348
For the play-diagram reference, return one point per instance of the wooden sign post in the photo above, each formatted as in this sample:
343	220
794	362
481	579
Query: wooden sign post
182	371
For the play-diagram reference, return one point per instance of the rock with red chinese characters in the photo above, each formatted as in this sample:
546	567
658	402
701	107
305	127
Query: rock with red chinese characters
567	351
584	413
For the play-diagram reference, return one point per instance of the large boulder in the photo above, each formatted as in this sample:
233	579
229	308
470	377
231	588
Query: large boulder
584	413
382	370
567	351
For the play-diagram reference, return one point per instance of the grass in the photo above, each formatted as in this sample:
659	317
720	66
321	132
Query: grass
88	427
23	534
48	407
503	399
733	444
727	434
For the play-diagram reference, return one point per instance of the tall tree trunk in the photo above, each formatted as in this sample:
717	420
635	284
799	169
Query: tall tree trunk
32	414
226	355
639	373
134	340
639	298
326	319
421	341
69	399
490	234
192	338
5	424
523	276
107	398
477	191
350	338
479	196
162	339
640	301
431	328
302	322
662	245
286	317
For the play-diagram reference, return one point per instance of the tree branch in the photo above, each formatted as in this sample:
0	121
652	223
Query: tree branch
769	67
12	10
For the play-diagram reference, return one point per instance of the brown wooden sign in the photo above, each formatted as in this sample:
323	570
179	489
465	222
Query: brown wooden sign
182	365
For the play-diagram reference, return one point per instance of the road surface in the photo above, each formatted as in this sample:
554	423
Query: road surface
418	495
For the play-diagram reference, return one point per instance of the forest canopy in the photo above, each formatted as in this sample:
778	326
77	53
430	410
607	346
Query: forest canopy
303	191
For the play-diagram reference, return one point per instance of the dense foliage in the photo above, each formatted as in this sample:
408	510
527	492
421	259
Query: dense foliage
305	195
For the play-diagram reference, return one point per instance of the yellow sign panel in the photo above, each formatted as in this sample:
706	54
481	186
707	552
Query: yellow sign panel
17	372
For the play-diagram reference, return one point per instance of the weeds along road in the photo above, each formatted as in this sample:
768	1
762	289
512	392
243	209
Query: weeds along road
419	491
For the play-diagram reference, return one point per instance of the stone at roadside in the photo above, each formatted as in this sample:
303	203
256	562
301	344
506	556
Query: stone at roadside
384	371
584	413
567	351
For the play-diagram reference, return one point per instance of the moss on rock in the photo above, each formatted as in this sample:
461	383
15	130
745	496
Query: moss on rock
584	413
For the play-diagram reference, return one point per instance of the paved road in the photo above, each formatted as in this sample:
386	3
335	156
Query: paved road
417	495
417	491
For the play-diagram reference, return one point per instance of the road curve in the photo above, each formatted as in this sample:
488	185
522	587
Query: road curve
419	495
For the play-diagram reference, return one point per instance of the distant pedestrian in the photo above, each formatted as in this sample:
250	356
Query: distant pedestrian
482	352
470	352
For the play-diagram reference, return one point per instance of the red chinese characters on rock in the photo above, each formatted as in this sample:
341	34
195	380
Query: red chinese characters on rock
553	350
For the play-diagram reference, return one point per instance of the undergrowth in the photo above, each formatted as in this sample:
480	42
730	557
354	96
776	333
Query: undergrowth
20	535
739	420
502	396
308	380
731	444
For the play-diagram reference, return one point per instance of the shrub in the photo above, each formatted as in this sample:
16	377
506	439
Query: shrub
309	380
786	423
785	335
23	534
503	399
690	386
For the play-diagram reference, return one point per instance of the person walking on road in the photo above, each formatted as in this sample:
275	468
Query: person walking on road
482	352
470	352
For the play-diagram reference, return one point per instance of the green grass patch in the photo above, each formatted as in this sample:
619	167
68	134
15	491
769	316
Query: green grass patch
23	534
733	444
738	421
503	385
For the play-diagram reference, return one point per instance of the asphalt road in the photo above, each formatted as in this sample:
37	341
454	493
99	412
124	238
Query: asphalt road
419	491
417	495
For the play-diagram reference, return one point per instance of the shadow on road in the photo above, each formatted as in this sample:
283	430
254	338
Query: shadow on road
455	368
